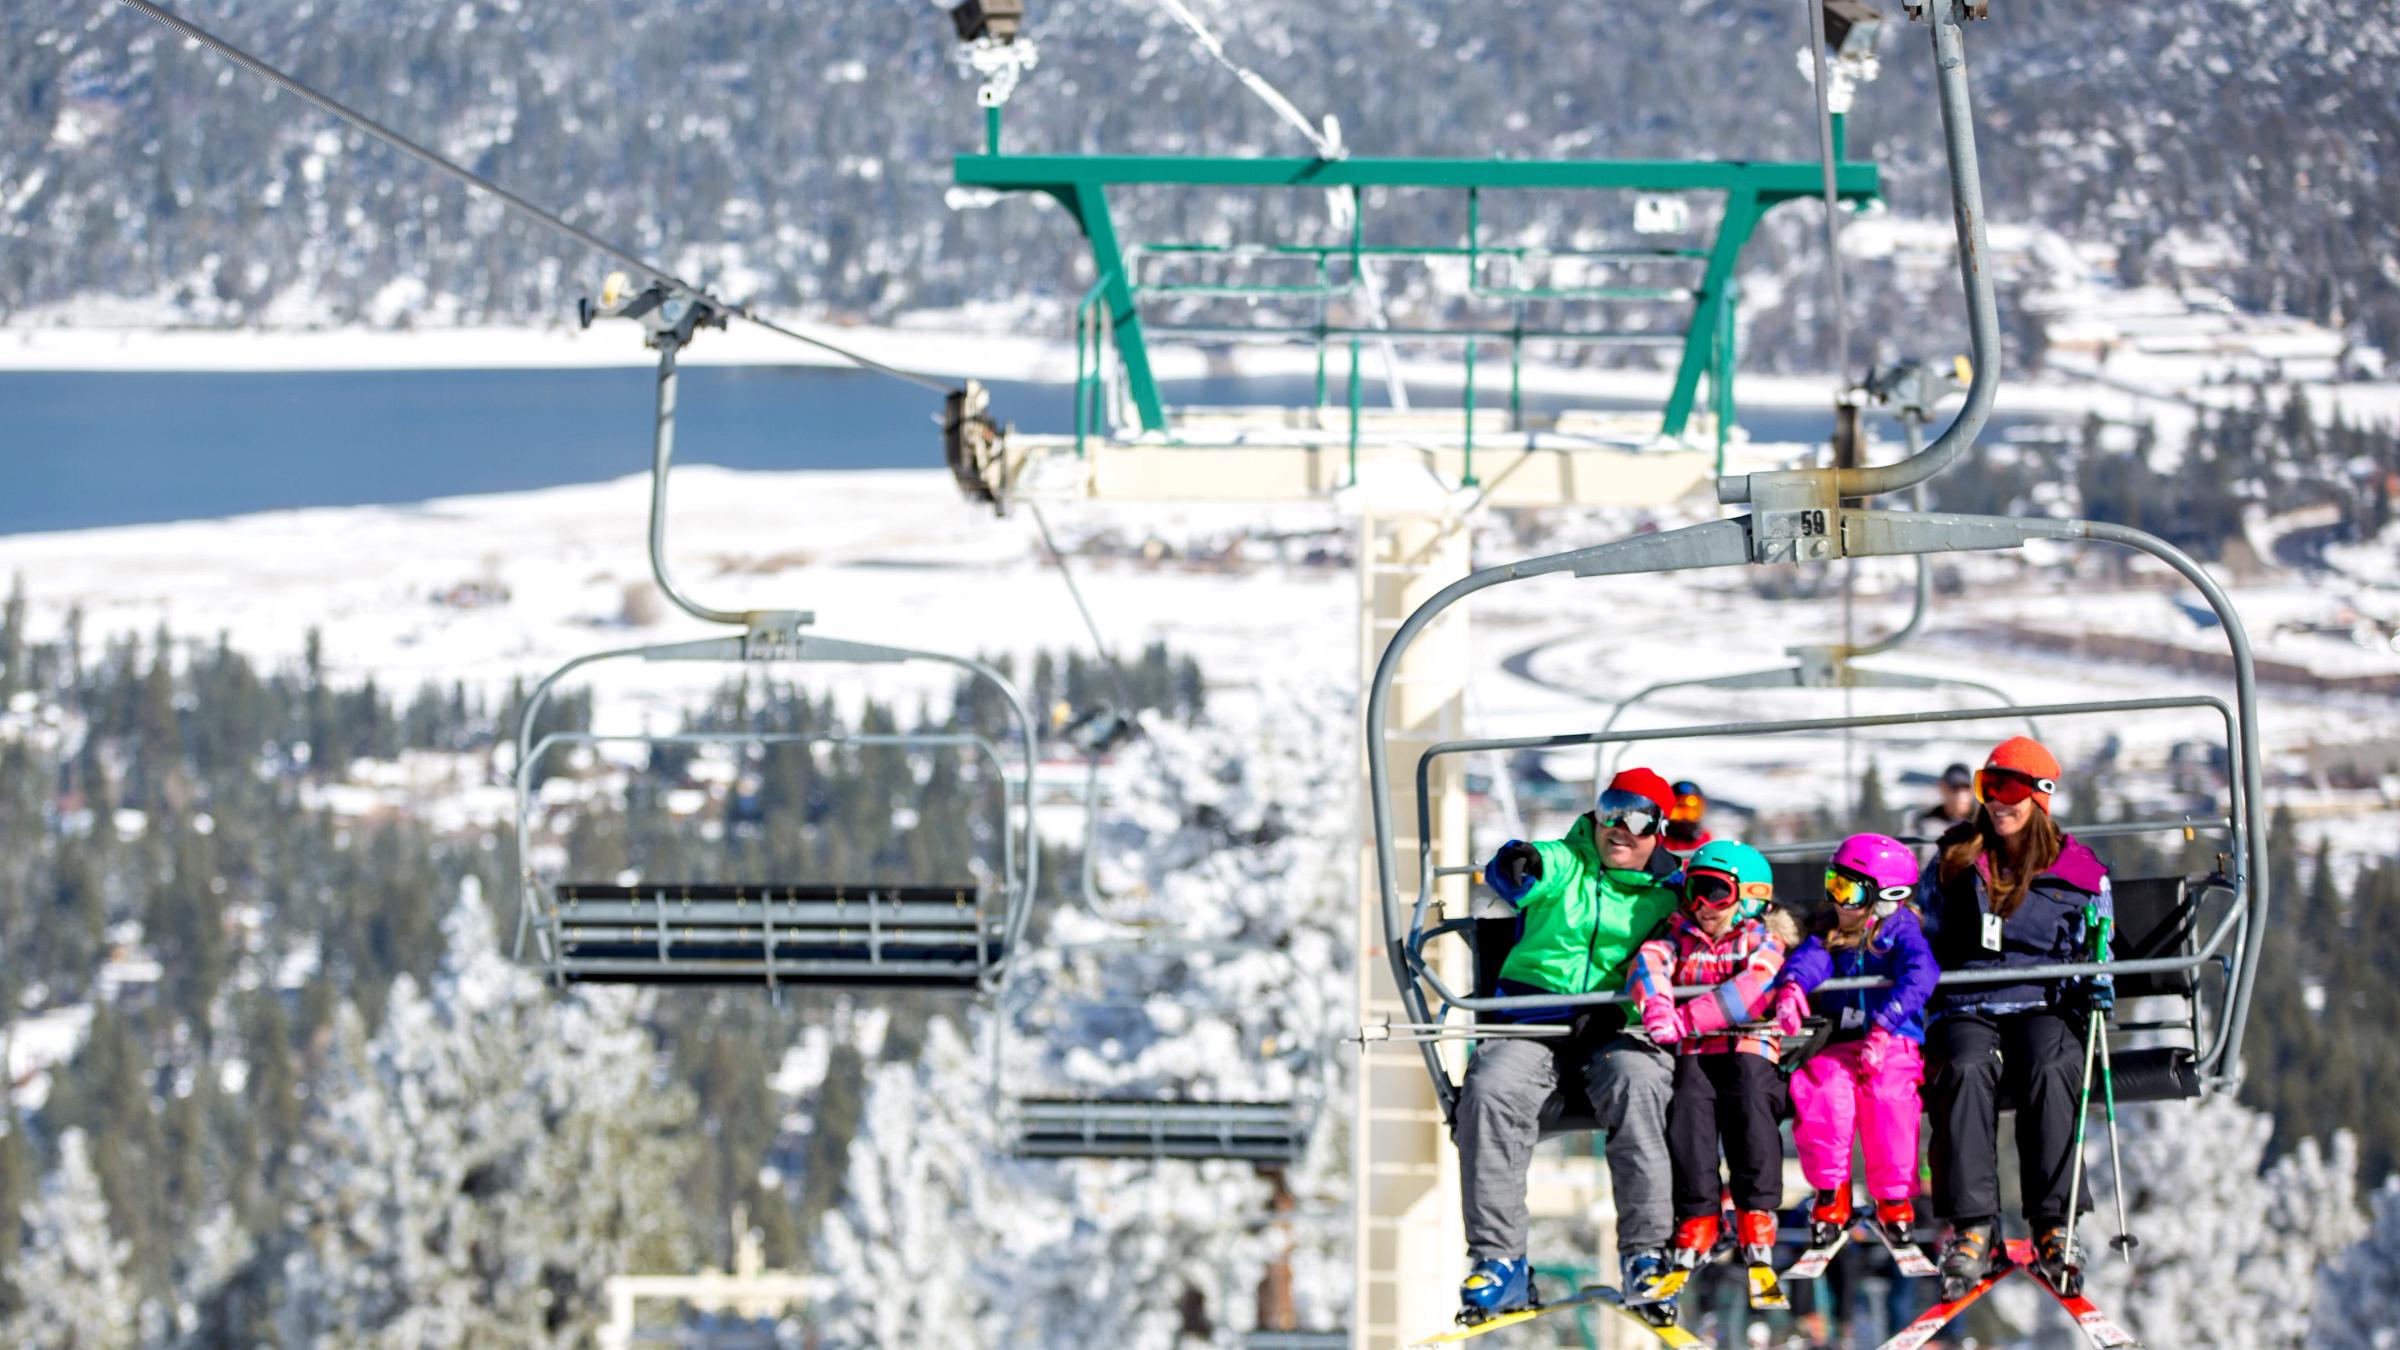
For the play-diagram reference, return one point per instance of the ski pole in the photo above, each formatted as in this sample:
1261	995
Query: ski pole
2096	927
2124	1241
2083	1109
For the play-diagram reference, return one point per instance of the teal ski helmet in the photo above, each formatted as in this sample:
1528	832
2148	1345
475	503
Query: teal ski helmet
1753	878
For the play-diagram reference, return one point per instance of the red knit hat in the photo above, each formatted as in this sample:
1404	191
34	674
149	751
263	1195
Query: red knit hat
2029	757
1644	783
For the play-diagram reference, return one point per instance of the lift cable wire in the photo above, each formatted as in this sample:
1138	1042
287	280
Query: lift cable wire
520	205
1327	147
1833	211
1326	141
1108	655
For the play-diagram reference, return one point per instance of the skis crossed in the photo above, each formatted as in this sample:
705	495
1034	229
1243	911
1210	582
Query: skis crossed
2095	1325
1905	1252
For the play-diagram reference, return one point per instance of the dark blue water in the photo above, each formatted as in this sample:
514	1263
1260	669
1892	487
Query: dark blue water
126	448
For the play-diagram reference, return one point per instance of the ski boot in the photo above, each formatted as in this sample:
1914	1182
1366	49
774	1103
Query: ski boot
1896	1218
1695	1240
1829	1216
1649	1281
1493	1288
1969	1255
1754	1231
2054	1262
1895	1225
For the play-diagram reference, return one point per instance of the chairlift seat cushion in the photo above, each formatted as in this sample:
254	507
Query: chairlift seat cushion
2156	917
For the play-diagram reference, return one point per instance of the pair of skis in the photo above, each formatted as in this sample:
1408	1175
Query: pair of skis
1906	1254
1667	1333
2096	1326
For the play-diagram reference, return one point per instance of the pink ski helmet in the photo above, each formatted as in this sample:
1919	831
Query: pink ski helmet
1871	869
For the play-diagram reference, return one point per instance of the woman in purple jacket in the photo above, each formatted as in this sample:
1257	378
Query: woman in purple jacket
1866	1078
2010	891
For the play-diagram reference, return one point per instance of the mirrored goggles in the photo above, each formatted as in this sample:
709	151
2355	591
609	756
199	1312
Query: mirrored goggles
1689	806
1637	814
1846	889
1714	890
1640	824
2008	787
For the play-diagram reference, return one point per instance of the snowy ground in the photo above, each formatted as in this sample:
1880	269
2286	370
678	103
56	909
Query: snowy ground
895	557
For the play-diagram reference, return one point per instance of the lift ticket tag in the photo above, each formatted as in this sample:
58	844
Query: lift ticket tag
1992	924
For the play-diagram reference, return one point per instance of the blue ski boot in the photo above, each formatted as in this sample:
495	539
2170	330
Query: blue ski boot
1493	1288
1648	1277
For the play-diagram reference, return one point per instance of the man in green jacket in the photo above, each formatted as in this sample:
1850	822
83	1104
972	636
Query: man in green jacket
1586	903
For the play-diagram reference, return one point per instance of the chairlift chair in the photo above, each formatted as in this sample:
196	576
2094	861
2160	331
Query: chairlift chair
951	934
1267	1133
2180	928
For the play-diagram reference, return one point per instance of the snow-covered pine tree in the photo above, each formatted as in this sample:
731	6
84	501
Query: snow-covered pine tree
1238	829
2358	1293
475	1171
71	1272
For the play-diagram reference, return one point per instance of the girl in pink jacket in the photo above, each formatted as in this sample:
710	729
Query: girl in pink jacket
1728	937
1868	1074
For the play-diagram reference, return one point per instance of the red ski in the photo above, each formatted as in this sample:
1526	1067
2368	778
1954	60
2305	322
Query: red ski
1929	1324
2093	1323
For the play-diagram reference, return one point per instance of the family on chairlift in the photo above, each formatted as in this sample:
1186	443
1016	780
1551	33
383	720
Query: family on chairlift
1639	898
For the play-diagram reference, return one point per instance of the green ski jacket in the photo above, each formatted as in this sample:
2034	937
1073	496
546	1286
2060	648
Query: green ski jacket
1583	920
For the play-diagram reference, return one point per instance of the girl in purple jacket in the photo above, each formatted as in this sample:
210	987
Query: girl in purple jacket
1868	1074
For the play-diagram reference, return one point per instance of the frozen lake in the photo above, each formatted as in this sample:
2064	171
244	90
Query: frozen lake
124	448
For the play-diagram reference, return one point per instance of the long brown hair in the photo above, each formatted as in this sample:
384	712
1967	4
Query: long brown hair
2015	863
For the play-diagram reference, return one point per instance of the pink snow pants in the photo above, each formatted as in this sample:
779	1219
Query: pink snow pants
1828	1100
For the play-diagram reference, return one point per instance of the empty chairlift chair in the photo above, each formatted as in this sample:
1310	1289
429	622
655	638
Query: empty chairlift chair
941	933
1267	1133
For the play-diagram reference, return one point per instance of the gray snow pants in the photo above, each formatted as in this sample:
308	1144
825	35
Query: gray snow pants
1513	1086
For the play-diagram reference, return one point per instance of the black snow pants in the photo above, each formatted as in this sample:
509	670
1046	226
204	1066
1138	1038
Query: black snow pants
1731	1097
2034	1058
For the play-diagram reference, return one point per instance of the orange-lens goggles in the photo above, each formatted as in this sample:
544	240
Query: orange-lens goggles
2008	787
1689	806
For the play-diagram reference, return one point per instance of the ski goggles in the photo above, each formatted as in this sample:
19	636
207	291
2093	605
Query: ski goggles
2008	787
1688	808
1850	890
1711	890
1636	814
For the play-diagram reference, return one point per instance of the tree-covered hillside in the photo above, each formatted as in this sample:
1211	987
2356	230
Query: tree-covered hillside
798	152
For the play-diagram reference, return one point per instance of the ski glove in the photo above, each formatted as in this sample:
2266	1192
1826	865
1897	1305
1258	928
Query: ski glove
1872	1055
2096	994
1662	1020
1513	870
1791	1010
